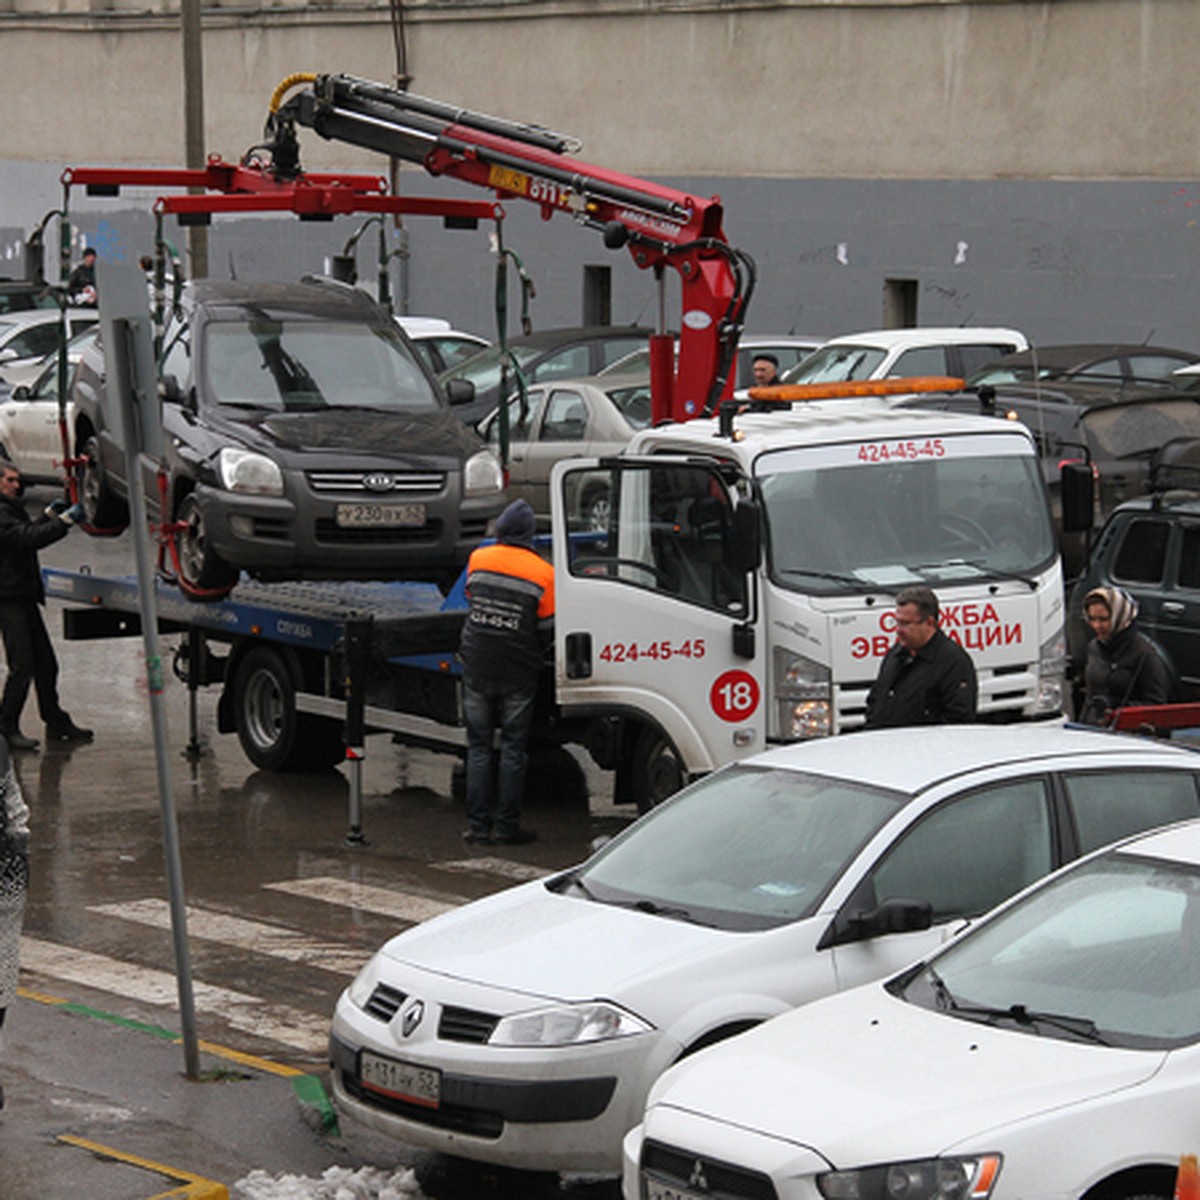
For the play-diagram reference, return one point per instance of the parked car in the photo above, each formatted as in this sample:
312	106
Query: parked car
577	418
303	440
527	1028
30	434
439	344
17	295
550	354
28	336
1112	364
1053	1050
896	353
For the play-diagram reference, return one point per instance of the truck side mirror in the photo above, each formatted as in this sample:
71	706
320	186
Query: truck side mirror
743	549
1078	496
460	391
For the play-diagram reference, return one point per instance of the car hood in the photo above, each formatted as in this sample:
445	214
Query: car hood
536	942
415	436
917	1083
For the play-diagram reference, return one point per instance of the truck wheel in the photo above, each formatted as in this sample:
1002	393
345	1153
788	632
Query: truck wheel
201	568
273	734
106	511
657	769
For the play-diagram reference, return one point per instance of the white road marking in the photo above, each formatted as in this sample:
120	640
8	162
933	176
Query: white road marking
403	906
288	944
251	1014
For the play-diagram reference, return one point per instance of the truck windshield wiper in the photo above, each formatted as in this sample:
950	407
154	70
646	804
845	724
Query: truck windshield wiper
849	580
982	567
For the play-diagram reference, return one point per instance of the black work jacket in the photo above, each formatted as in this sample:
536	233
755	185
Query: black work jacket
21	537
1127	669
932	687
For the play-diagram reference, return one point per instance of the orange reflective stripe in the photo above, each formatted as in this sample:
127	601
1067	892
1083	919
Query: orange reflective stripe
519	563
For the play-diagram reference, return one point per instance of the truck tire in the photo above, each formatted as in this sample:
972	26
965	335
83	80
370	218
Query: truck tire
657	769
274	736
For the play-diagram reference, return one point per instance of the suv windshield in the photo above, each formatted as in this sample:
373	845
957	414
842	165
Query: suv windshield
296	364
745	848
1109	953
962	511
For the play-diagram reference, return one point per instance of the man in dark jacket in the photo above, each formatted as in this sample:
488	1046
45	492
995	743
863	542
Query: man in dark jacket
508	630
27	645
925	678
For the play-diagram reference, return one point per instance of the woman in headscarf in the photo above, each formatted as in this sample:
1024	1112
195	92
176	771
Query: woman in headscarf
14	880
1123	665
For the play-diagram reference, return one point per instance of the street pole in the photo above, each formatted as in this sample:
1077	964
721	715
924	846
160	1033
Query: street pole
193	109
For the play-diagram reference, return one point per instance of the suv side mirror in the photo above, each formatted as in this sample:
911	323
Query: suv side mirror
1078	496
460	391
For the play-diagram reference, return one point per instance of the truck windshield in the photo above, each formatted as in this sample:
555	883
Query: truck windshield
838	524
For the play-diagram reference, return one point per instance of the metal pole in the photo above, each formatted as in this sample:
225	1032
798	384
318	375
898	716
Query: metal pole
193	108
359	631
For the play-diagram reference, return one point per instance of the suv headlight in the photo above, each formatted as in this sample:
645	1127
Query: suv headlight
966	1178
803	696
250	473
1052	669
483	475
567	1025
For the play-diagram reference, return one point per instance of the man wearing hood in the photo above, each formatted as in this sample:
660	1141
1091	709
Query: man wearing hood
1123	665
505	639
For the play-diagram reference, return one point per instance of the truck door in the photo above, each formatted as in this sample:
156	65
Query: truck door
656	615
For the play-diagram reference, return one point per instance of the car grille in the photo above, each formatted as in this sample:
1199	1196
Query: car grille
466	1025
354	482
329	533
723	1181
385	1002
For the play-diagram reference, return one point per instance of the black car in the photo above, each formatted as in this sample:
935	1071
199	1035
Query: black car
303	439
544	356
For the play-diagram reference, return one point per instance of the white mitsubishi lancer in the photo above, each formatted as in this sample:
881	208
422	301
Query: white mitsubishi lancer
526	1029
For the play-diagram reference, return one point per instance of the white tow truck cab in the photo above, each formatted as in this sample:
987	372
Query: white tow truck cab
743	591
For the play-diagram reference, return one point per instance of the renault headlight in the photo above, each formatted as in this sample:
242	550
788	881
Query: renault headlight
1052	671
361	990
567	1025
966	1178
483	475
803	696
249	473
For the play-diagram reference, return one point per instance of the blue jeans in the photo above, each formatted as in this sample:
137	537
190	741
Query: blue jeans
495	807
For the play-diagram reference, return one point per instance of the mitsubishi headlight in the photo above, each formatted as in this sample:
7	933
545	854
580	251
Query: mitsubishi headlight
567	1025
1052	670
966	1178
249	473
483	475
803	696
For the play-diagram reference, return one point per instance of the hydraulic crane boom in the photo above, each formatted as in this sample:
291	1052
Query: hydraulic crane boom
661	226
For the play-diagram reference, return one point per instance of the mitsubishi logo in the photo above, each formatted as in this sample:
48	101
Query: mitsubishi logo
412	1018
379	481
697	1179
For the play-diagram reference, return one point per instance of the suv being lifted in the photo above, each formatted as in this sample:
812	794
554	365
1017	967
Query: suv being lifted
303	439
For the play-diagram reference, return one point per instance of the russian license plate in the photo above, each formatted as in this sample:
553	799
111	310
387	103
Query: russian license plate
656	1189
366	516
405	1081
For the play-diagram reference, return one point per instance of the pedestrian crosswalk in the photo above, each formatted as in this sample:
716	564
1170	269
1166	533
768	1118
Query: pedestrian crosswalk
273	1016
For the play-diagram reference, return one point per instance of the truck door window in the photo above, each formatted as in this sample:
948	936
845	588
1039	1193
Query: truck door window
1142	556
668	531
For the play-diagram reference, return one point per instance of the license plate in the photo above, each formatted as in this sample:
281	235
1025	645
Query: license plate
508	179
656	1189
405	1081
360	516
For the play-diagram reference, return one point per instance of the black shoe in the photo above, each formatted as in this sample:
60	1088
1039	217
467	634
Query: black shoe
518	837
476	839
18	741
68	731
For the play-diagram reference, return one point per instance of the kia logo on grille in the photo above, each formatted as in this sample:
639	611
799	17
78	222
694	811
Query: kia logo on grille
379	482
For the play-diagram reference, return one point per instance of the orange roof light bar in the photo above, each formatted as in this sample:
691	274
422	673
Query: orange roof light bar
858	387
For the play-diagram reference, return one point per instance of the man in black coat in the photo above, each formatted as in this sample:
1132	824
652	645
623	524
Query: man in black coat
925	678
27	645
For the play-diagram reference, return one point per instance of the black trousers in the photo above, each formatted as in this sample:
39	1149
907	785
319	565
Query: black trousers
31	659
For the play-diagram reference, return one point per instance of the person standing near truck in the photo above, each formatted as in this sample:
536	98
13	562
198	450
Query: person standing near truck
505	640
925	678
1123	665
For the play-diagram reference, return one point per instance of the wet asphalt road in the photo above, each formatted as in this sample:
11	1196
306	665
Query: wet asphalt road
261	852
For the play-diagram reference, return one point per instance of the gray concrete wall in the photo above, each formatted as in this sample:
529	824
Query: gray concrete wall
1023	163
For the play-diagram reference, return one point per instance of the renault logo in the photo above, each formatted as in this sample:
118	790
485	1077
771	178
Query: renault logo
697	1178
379	481
412	1017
